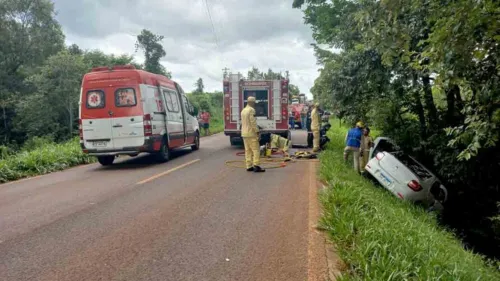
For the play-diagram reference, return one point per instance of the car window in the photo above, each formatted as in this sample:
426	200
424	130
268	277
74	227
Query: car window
385	145
125	97
95	99
172	101
414	166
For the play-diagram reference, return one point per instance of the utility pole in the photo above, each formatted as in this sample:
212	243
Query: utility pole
225	71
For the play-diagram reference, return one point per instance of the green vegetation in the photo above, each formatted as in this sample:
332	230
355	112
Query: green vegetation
41	156
380	237
425	73
211	102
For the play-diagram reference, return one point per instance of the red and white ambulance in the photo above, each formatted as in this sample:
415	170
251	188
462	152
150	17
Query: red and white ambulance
125	111
271	107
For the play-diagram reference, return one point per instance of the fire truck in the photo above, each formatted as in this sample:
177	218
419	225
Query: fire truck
271	108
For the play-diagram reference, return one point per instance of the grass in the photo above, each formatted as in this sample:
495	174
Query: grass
380	237
47	157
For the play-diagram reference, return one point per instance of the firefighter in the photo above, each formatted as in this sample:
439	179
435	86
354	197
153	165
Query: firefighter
364	151
279	143
315	126
250	134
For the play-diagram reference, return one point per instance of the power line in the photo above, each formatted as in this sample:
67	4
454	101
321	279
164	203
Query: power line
212	23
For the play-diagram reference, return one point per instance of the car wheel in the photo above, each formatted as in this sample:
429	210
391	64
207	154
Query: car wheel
106	160
196	144
231	140
164	154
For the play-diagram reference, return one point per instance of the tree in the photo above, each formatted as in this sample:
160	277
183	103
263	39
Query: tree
153	51
293	91
199	87
29	34
75	50
397	57
95	58
58	88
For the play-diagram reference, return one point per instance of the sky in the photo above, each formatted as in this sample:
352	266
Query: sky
261	33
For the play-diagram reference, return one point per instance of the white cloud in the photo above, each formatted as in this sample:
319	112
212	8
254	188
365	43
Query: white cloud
261	33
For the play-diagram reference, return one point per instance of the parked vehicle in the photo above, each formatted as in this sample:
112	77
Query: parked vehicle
404	176
271	106
125	111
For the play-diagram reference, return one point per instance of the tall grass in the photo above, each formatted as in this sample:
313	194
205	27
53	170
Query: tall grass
42	157
380	237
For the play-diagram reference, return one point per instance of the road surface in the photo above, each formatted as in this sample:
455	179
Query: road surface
192	218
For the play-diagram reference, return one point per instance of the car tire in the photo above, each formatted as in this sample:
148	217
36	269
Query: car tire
196	144
106	160
231	140
163	155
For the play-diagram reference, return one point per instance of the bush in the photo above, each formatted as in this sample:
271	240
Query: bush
46	157
211	102
380	237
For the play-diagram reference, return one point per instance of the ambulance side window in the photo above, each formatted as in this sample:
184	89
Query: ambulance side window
172	101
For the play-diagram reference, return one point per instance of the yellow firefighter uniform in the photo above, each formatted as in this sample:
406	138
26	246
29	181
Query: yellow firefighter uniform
249	133
315	123
279	142
366	144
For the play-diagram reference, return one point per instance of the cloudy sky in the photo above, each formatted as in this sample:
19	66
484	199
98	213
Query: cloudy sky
261	33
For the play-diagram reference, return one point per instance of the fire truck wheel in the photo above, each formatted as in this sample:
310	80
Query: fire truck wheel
164	154
196	144
106	160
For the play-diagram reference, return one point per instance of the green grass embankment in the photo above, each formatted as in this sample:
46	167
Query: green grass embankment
380	237
45	157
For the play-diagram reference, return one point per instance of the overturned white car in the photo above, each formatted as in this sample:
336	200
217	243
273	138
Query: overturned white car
404	176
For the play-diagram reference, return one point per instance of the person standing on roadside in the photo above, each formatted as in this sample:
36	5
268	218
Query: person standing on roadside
315	126
250	135
205	117
353	143
291	118
303	117
366	144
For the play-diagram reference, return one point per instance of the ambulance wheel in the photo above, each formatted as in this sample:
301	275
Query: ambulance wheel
106	160
231	140
164	154
196	144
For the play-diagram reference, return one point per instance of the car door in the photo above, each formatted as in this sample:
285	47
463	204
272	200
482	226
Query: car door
189	121
175	119
96	119
388	173
181	96
127	118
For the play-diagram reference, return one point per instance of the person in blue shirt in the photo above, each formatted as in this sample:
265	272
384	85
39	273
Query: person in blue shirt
353	144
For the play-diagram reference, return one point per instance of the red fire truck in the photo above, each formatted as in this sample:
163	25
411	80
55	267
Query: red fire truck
271	109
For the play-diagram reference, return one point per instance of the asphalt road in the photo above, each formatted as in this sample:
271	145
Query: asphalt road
192	218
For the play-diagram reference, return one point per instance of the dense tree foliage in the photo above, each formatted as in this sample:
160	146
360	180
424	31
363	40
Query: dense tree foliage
40	77
425	72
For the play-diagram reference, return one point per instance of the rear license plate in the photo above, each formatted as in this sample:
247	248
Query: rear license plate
99	143
384	178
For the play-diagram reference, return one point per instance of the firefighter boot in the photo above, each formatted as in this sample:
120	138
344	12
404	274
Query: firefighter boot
251	169
258	169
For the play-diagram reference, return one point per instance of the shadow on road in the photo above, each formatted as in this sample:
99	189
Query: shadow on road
141	161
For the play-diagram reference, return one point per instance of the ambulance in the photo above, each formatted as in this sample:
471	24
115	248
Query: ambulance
126	111
271	108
